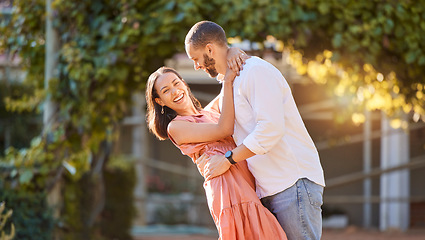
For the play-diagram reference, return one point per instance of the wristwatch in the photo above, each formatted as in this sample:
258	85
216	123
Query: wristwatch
229	156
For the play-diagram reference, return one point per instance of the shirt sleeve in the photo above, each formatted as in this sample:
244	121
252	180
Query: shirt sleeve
267	92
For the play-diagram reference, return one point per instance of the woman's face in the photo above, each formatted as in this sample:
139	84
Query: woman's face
174	94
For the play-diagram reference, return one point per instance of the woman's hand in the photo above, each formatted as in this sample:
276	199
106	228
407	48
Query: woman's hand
236	59
230	76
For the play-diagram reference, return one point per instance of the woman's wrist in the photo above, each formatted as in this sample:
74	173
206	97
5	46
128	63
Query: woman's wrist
228	82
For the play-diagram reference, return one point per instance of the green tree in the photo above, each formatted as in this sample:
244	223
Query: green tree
371	54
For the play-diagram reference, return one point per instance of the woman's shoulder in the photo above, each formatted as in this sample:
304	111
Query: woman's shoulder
188	118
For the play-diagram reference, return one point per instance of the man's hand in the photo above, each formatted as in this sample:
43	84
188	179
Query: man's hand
214	165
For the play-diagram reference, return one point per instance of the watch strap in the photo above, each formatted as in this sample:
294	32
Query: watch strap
230	158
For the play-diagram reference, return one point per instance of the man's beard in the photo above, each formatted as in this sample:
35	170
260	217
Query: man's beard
209	64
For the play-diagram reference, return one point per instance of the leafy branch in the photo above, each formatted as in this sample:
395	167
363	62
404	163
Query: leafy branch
3	219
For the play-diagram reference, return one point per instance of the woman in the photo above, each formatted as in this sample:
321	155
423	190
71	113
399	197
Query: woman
174	113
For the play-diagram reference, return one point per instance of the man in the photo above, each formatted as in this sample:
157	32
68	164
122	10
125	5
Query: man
269	133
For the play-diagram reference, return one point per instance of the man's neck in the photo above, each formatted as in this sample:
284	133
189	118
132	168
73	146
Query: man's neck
222	69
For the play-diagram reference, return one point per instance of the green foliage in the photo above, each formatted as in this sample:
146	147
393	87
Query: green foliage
385	36
27	168
120	180
106	52
115	221
21	127
31	215
3	219
73	210
80	200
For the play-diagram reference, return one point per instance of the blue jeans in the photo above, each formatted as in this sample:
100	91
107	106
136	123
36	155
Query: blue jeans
298	209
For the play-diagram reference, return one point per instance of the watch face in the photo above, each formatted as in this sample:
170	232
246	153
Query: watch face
228	154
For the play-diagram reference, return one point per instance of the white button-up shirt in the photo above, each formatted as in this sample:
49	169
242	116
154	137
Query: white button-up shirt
268	123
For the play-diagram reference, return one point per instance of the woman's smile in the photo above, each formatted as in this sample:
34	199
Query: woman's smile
179	98
173	93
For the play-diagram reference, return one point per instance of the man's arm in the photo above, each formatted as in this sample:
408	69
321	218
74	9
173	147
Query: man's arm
267	93
218	164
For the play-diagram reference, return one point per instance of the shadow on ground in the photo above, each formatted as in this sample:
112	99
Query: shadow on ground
185	232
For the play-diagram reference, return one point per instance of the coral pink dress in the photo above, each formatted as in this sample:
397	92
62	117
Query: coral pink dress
233	203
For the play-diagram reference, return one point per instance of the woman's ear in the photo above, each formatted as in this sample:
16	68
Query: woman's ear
159	101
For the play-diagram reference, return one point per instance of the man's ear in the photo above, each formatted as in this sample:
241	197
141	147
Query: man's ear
159	101
210	49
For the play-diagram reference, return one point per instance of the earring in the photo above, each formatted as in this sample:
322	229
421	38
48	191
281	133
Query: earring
162	110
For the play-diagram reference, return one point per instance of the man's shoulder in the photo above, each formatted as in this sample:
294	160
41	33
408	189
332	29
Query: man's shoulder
256	67
258	64
256	61
256	70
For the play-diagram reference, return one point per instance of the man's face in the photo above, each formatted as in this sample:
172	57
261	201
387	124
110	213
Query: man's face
209	64
201	60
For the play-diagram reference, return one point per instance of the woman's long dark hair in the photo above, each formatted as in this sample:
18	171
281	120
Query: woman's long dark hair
158	122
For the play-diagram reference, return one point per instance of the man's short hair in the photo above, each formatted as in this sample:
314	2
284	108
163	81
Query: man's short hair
205	32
